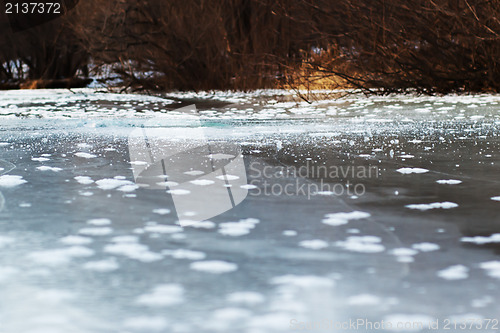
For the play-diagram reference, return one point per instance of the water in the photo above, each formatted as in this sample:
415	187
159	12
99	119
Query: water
372	211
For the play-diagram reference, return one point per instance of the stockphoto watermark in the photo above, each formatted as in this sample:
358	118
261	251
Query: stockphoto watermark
309	180
397	324
203	177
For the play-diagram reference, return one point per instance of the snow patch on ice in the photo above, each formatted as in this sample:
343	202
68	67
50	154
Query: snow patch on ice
85	155
407	171
84	180
202	182
240	228
76	240
494	238
99	222
314	244
163	295
57	257
434	205
456	272
449	181
184	254
106	265
337	219
364	244
425	247
134	251
214	266
112	183
492	268
163	229
48	168
161	211
98	231
10	181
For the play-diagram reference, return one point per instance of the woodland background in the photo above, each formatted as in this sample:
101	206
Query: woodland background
383	46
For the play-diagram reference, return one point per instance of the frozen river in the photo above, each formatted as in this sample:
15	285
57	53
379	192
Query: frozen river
248	213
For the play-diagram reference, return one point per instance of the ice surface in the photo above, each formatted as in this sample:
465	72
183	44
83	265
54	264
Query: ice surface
89	247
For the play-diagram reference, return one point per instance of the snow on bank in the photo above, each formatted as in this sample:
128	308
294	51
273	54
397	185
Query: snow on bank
260	104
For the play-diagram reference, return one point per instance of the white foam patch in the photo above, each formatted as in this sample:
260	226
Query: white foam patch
240	228
184	254
289	233
98	231
84	180
337	219
76	240
134	251
434	205
139	163
85	155
197	224
214	266
482	302
179	192
146	323
495	198
479	240
303	281
48	168
314	244
106	265
10	181
364	244
403	251
492	268
163	295
202	182
407	322
227	177
128	188
246	298
99	222
449	181
456	272
161	211
167	184
248	187
407	171
40	159
163	229
425	247
112	183
364	300
220	156
60	256
194	173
